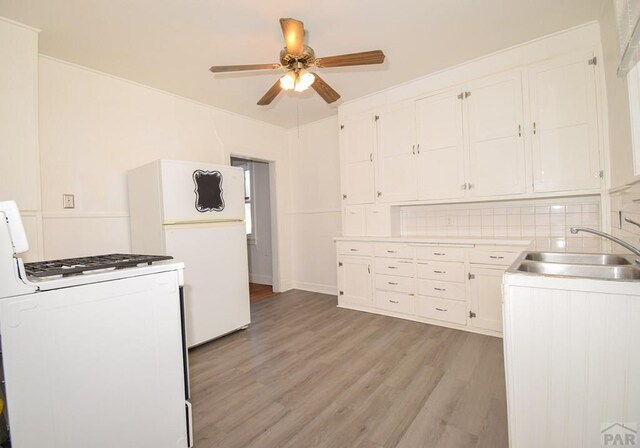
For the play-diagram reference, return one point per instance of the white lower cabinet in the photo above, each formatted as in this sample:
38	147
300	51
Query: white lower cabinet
453	285
355	281
486	298
396	302
453	311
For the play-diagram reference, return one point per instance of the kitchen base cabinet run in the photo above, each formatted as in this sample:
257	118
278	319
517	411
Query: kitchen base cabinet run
452	283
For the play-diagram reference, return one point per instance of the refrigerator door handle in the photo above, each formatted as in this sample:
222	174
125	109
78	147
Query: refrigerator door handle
185	352
189	424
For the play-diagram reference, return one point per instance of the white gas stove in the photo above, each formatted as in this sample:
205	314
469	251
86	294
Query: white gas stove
93	348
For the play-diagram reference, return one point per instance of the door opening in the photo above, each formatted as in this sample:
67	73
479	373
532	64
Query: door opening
258	226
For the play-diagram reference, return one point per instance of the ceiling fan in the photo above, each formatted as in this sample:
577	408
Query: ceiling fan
296	58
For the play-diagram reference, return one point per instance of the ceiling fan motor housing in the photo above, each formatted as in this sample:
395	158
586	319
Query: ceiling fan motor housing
291	61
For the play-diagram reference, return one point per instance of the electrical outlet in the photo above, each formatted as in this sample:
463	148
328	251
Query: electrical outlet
68	201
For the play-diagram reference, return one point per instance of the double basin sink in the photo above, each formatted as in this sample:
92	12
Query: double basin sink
598	266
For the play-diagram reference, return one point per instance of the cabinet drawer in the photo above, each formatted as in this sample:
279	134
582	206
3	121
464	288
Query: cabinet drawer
395	301
451	272
445	290
441	253
493	257
395	283
442	309
402	268
353	223
354	248
392	250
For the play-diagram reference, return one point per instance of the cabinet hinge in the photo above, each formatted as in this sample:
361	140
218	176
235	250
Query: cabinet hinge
472	314
379	193
344	196
377	117
471	276
341	293
340	264
593	61
601	174
341	127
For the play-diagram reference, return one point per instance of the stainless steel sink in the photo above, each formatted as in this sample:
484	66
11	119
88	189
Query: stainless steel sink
581	270
596	266
575	258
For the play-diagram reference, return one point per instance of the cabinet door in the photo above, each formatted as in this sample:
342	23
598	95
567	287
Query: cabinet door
494	116
565	125
396	162
486	298
355	280
356	147
440	146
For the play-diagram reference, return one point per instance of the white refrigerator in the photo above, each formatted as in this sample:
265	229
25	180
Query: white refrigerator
195	213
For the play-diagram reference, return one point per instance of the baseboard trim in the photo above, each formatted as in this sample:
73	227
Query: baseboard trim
261	279
316	287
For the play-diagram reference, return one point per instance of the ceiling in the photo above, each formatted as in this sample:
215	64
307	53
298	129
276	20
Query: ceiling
170	44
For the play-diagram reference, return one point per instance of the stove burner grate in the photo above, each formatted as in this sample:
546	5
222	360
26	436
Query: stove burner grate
73	266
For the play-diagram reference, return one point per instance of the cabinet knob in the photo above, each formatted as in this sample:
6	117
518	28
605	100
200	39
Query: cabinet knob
463	186
379	193
344	196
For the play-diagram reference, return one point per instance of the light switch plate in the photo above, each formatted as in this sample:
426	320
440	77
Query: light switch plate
68	201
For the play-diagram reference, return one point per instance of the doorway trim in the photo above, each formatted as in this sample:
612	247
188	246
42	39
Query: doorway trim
274	207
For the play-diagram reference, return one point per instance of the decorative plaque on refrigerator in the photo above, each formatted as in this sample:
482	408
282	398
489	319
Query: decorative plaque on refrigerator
208	190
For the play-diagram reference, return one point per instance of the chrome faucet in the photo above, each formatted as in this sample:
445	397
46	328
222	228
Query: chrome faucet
631	221
622	243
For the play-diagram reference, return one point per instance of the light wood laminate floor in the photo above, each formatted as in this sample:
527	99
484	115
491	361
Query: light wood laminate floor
307	374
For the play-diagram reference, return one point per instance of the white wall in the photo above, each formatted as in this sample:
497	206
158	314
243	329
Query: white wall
94	127
315	215
618	102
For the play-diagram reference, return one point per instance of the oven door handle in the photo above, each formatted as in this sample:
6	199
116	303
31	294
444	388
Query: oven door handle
185	352
189	412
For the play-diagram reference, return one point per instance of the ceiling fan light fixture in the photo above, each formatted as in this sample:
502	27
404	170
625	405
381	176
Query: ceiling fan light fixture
288	81
304	81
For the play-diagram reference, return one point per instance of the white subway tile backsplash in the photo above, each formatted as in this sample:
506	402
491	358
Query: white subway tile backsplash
544	221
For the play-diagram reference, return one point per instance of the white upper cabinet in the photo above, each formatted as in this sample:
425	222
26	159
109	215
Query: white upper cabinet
440	146
396	164
357	148
564	125
494	120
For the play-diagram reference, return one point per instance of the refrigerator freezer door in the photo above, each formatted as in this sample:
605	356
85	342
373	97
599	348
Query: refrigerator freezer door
193	192
216	277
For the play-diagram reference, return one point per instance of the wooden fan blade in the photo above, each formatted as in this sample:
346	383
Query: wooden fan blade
325	90
271	94
343	60
240	68
293	31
